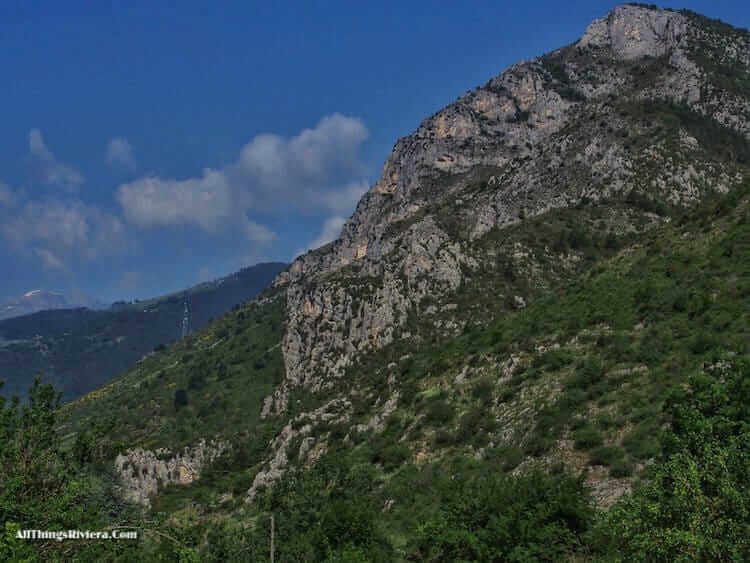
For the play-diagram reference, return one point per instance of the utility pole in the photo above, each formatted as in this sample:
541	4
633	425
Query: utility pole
186	318
273	547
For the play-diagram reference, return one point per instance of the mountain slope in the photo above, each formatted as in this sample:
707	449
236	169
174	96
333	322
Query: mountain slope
541	268
41	300
80	349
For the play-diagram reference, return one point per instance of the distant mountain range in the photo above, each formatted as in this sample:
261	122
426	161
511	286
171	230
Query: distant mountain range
41	300
81	346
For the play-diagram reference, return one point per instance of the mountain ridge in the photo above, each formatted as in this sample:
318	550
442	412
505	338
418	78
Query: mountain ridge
40	300
79	349
497	127
541	270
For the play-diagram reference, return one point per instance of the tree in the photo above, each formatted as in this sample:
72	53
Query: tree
696	507
180	399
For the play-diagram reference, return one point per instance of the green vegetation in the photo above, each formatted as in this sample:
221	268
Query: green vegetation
46	489
583	395
559	80
54	343
625	335
696	505
204	386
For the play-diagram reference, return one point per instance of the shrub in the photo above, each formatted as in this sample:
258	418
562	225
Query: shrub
444	438
620	468
512	456
642	442
497	517
483	389
180	399
439	412
587	437
392	456
606	455
554	359
197	380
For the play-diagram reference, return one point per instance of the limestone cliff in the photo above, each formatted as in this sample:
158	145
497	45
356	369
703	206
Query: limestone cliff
545	134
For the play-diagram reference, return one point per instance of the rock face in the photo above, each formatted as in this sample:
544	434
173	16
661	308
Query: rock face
545	134
298	431
632	32
143	472
582	124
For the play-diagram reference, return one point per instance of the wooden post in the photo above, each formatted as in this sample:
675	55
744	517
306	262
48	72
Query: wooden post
272	540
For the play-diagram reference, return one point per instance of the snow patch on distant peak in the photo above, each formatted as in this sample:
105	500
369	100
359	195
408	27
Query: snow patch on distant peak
37	291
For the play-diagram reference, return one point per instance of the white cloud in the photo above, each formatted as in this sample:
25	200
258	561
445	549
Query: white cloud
152	201
120	152
320	156
57	232
257	232
48	168
331	231
318	170
345	199
49	260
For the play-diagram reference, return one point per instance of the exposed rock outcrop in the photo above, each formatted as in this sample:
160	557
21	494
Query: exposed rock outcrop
143	472
544	134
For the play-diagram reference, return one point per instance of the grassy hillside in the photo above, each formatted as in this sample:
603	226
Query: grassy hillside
222	373
586	383
554	364
79	349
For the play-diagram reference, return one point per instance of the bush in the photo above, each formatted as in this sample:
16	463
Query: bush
512	456
642	442
483	389
696	505
554	360
444	438
497	517
180	399
392	456
587	437
587	375
621	468
197	380
606	455
439	412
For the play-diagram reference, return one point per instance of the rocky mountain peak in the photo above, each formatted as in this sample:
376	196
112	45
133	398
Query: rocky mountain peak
634	31
536	269
545	134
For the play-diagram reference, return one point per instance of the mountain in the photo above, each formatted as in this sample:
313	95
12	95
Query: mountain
41	300
529	343
80	349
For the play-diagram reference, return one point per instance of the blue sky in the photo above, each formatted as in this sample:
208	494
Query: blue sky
147	147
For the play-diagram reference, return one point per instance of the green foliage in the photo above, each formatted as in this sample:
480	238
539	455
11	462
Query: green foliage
392	456
180	399
494	517
439	412
697	504
587	437
85	348
326	513
606	455
43	488
555	360
194	389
